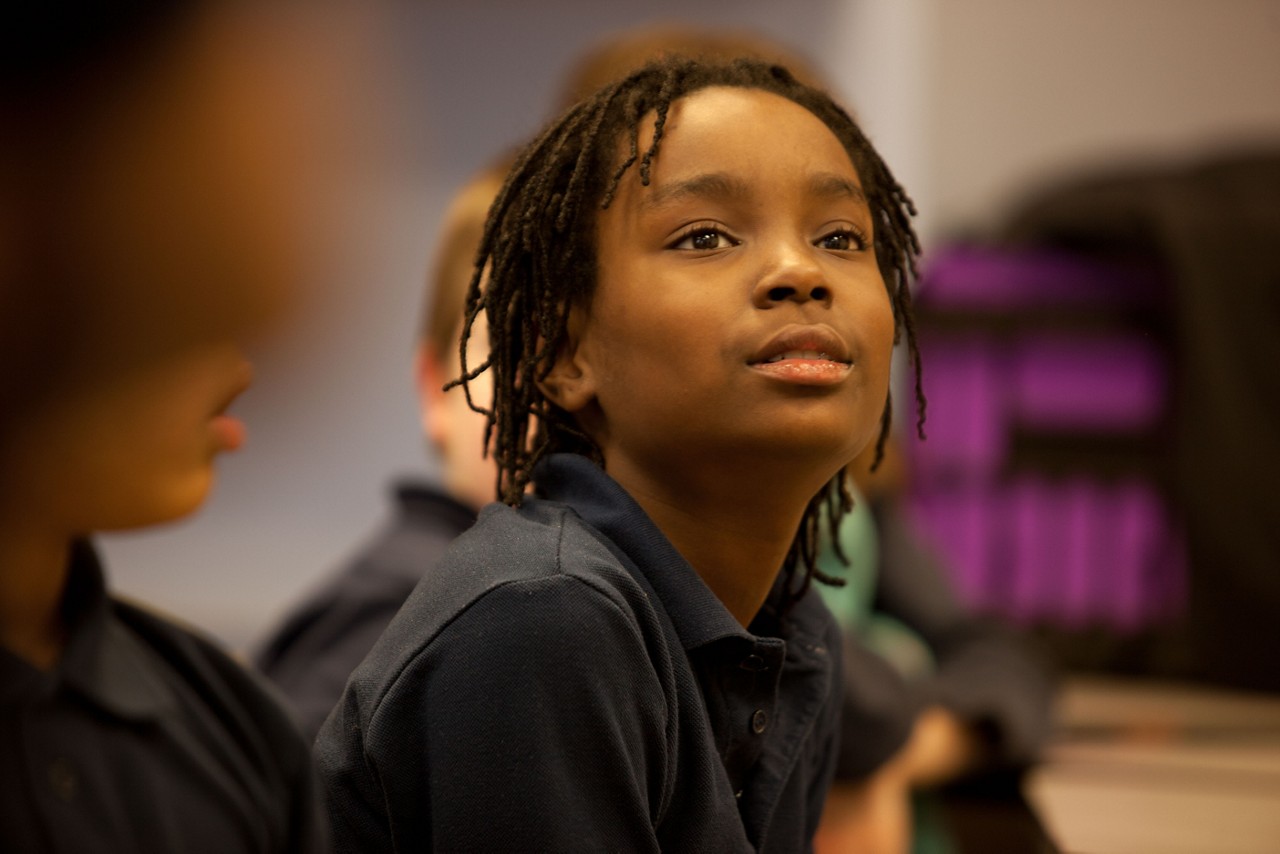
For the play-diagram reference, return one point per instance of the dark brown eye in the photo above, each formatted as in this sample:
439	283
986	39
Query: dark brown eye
702	240
842	241
705	240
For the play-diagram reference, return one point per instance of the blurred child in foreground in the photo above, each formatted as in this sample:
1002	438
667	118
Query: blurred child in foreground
148	193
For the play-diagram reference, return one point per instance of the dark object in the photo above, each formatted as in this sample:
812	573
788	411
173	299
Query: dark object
1045	473
989	814
1214	226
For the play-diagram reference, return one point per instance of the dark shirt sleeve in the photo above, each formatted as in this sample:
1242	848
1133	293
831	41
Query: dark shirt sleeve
877	714
533	721
315	652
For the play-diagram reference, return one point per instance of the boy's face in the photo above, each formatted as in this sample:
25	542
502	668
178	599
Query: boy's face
134	451
740	315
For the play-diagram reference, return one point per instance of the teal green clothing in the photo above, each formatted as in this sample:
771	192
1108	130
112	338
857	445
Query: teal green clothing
853	604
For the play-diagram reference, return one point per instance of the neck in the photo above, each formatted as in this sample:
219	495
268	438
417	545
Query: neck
734	531
33	578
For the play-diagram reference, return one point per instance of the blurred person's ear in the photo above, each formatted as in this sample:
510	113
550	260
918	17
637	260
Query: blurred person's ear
430	376
455	430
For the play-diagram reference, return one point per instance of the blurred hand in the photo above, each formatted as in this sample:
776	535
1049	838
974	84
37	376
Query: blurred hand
870	817
874	815
941	748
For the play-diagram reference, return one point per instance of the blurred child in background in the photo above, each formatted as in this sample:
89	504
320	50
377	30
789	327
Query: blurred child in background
315	649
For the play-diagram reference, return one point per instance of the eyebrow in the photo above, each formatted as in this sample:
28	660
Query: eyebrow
829	185
711	185
721	187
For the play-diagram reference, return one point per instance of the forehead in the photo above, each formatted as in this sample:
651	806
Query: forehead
749	131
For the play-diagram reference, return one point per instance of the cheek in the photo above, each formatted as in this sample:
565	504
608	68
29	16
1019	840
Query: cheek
876	333
646	359
877	326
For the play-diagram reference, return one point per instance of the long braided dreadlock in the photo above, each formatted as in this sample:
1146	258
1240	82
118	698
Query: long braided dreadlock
538	251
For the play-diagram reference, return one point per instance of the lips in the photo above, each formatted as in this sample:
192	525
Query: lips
804	356
799	354
818	343
228	431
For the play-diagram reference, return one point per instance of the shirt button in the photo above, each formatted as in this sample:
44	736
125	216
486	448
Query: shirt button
63	778
754	664
759	721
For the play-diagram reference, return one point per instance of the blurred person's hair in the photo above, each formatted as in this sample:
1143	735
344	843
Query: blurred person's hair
50	48
539	248
455	258
617	56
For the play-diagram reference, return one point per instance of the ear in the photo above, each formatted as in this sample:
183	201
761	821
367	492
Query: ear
571	383
430	379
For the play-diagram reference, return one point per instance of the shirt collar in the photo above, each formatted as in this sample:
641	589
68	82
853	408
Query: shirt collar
429	505
103	661
699	617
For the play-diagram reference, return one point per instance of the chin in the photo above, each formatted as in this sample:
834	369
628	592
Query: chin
162	504
834	447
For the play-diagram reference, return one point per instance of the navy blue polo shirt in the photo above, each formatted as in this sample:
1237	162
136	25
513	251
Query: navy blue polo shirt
146	738
564	681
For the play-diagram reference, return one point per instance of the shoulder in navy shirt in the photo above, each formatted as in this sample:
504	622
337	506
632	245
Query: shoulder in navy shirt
147	738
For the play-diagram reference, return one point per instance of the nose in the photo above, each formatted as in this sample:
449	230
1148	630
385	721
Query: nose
794	275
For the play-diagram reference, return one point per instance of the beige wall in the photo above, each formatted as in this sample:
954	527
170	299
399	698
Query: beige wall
1022	90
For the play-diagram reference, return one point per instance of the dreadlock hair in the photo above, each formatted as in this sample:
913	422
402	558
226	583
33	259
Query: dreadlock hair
539	250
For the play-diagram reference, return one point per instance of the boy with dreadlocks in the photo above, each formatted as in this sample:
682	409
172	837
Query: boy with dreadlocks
696	277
